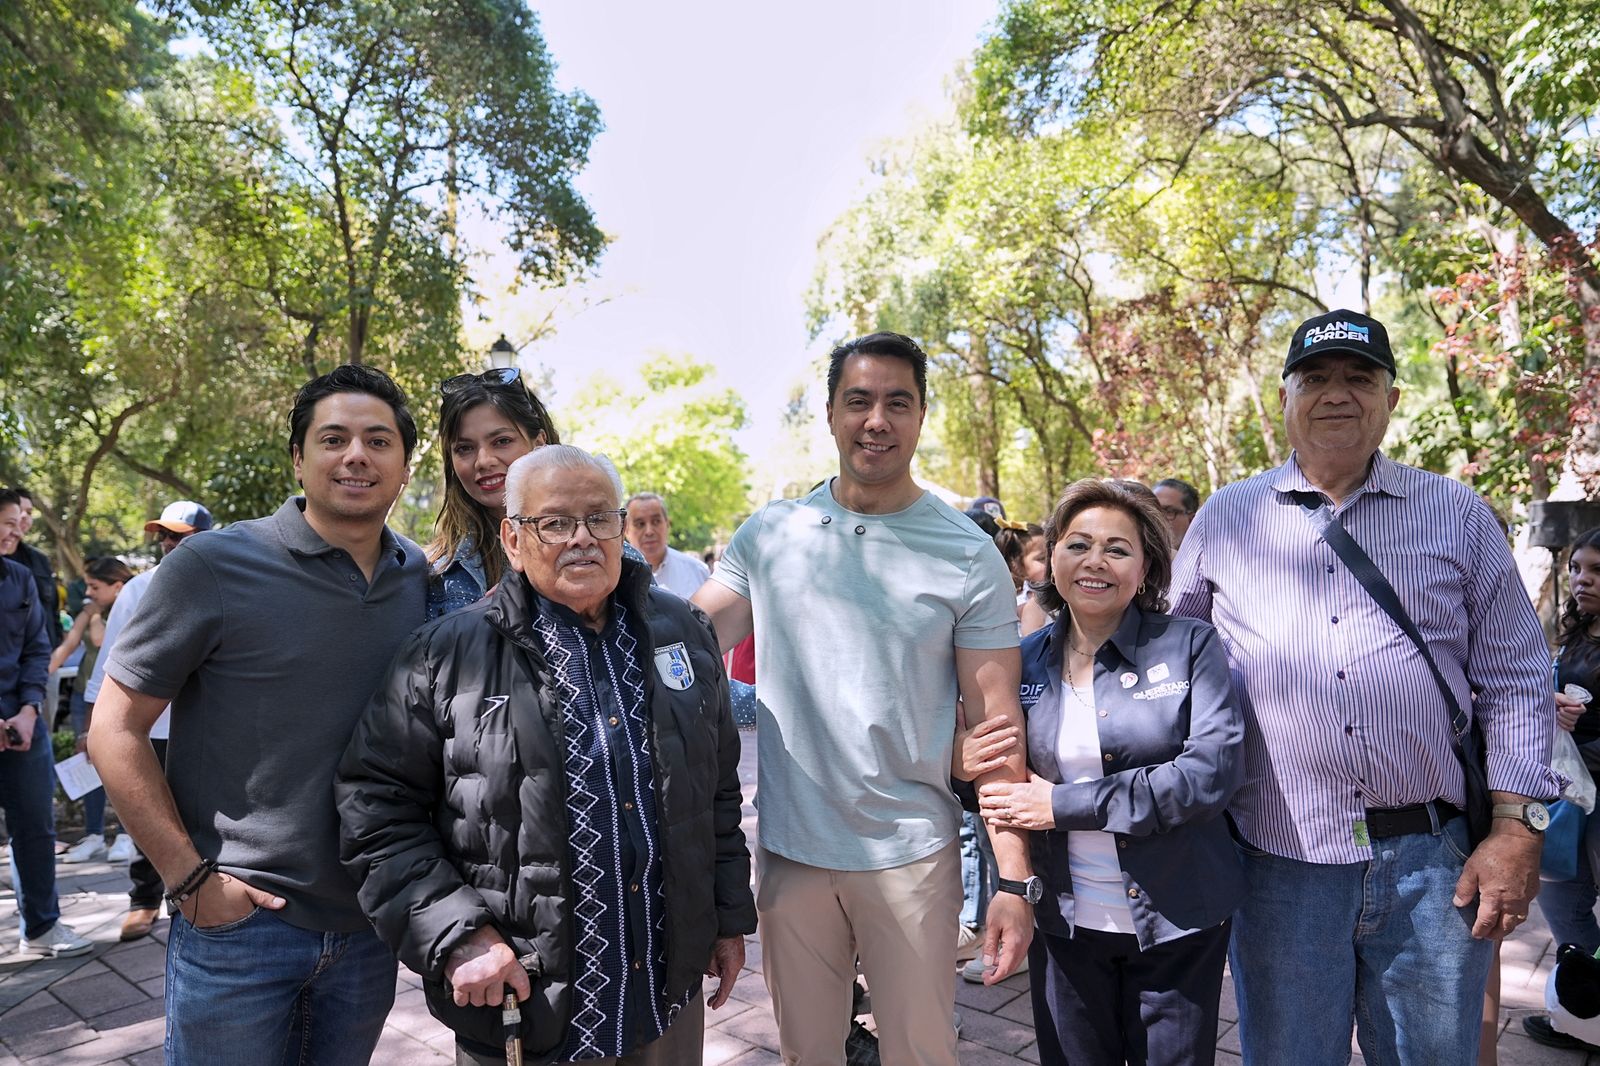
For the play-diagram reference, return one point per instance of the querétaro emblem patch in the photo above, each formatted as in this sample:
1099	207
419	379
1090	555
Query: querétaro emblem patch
673	666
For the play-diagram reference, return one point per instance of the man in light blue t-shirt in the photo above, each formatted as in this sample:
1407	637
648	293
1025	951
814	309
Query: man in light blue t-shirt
874	606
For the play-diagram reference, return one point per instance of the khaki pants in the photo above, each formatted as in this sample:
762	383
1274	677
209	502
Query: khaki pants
681	1045
901	922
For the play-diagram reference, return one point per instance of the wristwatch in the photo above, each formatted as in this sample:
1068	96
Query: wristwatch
1536	816
1032	889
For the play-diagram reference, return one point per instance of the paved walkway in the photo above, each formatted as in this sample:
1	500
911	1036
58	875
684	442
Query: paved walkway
106	1007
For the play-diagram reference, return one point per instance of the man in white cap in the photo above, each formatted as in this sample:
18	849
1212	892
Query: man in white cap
178	520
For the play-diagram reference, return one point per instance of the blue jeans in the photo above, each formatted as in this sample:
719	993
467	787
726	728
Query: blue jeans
27	793
1378	942
262	992
977	870
1568	906
94	802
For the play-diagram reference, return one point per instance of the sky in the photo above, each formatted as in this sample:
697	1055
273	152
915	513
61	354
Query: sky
734	135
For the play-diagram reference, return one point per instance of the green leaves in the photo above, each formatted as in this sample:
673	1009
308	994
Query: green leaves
186	237
672	434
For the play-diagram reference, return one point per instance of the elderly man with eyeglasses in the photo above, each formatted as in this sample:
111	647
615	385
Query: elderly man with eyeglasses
544	796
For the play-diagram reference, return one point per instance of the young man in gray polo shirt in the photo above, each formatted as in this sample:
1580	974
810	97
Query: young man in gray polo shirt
873	605
268	637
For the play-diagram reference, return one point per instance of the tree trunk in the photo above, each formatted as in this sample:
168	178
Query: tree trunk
986	415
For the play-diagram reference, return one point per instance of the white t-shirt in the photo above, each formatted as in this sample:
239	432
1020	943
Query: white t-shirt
1100	901
857	621
127	602
681	573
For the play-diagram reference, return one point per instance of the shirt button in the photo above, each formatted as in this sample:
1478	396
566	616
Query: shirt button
627	805
352	577
1335	619
1122	843
1108	756
612	720
338	555
1330	568
1349	729
861	529
1340	675
637	965
1133	893
633	887
1104	714
827	518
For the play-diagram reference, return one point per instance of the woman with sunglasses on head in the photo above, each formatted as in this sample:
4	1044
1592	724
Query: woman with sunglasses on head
487	422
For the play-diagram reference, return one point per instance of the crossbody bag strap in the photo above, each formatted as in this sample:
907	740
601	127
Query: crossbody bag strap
1360	564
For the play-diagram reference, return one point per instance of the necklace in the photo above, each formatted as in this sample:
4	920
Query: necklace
1072	685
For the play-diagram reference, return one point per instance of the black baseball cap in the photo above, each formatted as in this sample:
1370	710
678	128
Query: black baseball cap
1344	332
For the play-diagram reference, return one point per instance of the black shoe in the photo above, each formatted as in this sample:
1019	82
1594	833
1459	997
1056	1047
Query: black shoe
861	1047
1540	1031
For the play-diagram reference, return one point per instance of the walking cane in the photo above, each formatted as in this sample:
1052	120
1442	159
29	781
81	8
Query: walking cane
511	1018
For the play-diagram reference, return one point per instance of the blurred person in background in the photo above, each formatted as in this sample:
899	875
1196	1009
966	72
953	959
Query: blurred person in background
27	766
649	531
38	564
1179	501
1568	906
105	578
177	521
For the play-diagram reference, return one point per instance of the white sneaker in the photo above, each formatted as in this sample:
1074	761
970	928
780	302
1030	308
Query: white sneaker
86	850
969	942
59	943
972	972
124	850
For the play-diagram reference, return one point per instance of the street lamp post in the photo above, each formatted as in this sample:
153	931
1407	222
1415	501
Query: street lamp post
501	355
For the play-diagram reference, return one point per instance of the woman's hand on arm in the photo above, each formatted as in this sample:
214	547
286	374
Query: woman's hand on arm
1029	805
983	748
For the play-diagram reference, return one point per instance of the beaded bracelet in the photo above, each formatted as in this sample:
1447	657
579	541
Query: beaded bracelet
191	884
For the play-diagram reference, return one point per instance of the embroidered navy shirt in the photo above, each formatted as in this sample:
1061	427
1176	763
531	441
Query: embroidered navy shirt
619	962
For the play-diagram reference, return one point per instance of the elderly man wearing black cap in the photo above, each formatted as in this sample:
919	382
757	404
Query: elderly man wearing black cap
1370	611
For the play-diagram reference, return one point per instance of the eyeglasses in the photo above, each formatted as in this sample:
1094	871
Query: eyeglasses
560	528
168	536
499	377
1174	512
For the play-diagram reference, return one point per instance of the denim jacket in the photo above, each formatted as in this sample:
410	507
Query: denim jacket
456	582
1172	735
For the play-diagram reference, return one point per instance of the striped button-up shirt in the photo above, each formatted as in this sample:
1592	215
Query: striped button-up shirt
1341	711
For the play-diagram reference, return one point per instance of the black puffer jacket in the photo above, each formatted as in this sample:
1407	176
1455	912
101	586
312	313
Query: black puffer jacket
453	803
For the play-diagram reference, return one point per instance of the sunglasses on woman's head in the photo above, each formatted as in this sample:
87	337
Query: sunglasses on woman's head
500	376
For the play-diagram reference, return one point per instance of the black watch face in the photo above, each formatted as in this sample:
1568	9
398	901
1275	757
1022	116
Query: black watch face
1035	890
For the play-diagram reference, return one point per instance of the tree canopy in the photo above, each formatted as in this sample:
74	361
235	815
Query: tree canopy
670	431
1106	250
202	209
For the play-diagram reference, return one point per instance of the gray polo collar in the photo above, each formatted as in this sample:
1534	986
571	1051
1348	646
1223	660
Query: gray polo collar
298	536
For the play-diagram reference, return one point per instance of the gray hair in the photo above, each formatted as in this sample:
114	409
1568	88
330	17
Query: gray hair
648	497
559	457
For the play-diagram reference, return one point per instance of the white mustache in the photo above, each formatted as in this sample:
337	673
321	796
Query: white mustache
580	555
